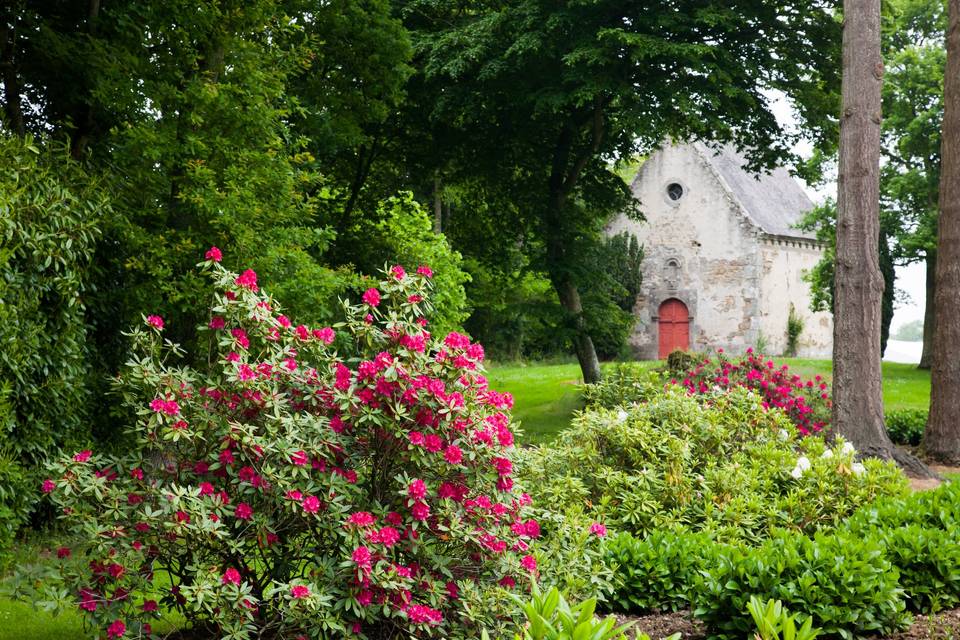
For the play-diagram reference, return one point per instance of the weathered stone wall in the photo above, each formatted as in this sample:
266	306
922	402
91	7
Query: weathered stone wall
699	249
784	263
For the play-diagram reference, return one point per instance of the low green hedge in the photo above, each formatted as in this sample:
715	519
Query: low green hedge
895	555
845	583
906	426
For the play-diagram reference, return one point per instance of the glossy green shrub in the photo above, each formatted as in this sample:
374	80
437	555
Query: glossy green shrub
655	573
845	583
906	426
939	509
921	537
928	560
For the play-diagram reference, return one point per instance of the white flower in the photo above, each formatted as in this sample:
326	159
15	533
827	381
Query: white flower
783	435
847	448
621	416
827	454
797	472
803	463
858	468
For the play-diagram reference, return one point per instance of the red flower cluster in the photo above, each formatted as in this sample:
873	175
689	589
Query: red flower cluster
805	401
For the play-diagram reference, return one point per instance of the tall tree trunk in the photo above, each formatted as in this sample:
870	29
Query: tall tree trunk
929	317
941	440
857	393
857	389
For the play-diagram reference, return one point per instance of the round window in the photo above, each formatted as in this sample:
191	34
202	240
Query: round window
674	191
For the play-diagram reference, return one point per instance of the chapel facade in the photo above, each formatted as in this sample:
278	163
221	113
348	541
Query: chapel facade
723	261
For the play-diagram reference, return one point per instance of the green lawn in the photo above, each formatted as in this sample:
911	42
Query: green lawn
547	395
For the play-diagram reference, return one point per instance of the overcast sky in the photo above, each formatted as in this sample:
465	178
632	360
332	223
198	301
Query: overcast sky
911	280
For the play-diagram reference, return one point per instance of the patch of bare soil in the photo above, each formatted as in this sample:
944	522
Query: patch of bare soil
661	625
925	484
939	626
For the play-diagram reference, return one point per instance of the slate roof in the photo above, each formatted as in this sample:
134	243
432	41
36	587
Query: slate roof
775	202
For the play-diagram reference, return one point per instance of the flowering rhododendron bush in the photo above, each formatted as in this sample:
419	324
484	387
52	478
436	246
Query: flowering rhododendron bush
805	401
316	482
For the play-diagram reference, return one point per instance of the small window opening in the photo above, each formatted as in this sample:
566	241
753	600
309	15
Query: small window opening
675	191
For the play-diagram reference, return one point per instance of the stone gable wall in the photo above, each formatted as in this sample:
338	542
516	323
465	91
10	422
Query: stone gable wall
698	249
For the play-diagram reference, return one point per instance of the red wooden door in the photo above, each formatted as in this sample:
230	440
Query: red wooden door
674	327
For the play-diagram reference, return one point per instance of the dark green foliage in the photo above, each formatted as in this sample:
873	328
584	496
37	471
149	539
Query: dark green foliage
928	560
50	214
906	426
516	314
845	583
655	573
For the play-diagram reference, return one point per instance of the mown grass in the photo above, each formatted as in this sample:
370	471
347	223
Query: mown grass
547	395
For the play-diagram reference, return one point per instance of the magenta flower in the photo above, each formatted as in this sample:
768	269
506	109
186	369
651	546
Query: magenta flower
299	591
214	254
156	322
371	297
243	511
230	576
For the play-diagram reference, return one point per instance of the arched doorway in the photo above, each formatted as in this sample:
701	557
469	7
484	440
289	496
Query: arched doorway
674	326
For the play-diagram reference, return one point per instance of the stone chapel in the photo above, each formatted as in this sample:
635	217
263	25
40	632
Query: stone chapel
723	261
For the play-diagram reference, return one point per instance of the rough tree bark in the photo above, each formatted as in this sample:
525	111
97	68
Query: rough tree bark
857	391
929	317
941	440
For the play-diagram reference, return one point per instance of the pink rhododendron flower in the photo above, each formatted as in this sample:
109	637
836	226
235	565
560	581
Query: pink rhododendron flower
388	536
116	629
425	271
83	456
398	272
325	335
216	323
243	511
230	576
213	254
299	591
311	504
149	605
529	563
361	556
417	489
371	297
48	486
63	552
156	322
420	511
361	519
247	280
453	454
598	529
420	614
299	458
